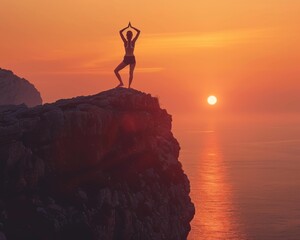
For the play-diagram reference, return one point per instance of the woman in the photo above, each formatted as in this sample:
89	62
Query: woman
129	58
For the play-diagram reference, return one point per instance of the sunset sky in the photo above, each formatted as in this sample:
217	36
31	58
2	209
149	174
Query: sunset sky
247	53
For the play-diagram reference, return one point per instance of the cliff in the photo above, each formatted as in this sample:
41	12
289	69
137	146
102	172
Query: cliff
96	167
15	90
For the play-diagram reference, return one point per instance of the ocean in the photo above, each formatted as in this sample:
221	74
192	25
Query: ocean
244	175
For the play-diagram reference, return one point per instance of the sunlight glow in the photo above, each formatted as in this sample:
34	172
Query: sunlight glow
212	100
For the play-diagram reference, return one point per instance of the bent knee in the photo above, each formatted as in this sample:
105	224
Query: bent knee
116	70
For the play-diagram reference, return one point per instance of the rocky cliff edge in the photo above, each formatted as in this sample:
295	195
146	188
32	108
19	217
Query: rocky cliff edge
97	167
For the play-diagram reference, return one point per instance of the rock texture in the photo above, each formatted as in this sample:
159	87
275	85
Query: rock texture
96	167
15	90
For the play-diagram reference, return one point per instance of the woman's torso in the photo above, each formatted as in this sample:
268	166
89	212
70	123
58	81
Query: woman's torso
129	48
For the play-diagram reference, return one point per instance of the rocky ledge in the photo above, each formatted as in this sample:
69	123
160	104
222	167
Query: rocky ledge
97	167
15	90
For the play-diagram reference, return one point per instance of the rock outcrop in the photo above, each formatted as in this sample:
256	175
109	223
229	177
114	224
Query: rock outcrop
96	167
15	90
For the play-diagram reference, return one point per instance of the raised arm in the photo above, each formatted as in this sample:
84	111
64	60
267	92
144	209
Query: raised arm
137	32
121	33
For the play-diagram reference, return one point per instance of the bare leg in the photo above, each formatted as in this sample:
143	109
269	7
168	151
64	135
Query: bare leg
131	69
118	68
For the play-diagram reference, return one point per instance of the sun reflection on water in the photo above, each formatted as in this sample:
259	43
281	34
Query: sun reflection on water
211	192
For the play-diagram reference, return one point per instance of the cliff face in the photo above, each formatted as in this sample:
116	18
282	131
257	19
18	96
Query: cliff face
96	167
15	90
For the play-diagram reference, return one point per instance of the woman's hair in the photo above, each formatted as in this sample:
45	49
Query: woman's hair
129	34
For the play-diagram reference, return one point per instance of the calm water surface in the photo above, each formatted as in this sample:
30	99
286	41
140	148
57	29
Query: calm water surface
245	178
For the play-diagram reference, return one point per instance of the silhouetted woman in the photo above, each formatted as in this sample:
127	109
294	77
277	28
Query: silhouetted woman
129	58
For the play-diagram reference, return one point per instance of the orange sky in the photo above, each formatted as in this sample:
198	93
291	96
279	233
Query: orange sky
245	52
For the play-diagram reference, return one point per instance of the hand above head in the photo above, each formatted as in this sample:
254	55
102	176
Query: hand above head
129	24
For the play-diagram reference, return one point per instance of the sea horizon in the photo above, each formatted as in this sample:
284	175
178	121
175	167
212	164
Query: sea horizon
244	177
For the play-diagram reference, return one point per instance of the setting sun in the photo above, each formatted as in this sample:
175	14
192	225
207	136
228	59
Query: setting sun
212	100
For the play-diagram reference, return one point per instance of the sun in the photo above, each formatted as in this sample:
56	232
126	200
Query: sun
212	100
